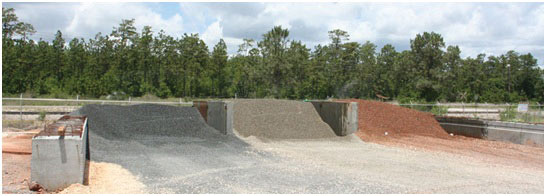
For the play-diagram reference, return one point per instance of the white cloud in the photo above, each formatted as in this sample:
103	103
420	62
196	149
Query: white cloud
212	34
87	19
491	28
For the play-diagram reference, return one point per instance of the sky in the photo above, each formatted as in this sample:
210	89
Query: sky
489	28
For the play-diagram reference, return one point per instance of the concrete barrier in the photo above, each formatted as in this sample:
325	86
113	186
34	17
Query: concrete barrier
59	160
342	117
518	133
217	114
465	127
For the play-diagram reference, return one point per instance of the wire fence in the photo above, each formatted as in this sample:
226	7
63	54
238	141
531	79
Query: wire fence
34	108
524	113
21	112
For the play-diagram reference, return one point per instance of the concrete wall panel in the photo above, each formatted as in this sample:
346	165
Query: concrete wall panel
220	116
342	117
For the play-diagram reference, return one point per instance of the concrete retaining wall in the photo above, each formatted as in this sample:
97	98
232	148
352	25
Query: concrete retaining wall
220	116
59	161
217	114
465	127
342	117
518	133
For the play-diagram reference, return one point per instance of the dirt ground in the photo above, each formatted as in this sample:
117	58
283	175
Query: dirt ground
16	151
15	173
496	152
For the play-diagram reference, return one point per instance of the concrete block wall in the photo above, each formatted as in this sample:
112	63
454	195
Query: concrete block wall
59	161
342	117
217	114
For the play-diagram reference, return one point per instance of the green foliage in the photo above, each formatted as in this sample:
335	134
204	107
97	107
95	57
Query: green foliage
439	110
126	63
509	114
42	115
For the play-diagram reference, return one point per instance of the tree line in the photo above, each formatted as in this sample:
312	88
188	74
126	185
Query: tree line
135	63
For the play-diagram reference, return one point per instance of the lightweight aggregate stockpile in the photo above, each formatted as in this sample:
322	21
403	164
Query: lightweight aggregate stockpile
172	150
377	118
278	120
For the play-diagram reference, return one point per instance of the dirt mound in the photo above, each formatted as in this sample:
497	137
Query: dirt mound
279	119
379	121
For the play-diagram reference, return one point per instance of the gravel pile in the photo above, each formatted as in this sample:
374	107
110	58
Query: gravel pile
147	121
377	118
278	119
157	142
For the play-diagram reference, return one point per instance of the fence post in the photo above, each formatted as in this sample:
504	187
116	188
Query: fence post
129	100
21	110
464	112
77	100
476	110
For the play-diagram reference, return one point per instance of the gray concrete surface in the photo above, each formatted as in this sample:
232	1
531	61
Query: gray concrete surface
220	116
59	161
342	117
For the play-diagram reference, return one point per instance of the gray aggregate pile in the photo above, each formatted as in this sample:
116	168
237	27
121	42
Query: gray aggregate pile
279	119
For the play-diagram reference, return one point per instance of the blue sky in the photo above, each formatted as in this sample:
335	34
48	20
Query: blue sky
490	28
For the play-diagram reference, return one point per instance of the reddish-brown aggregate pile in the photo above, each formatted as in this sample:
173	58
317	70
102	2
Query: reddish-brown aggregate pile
413	129
378	120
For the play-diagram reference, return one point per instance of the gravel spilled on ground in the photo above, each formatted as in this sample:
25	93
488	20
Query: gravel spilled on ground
270	119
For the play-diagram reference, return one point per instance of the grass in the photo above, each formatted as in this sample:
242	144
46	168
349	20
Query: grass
32	124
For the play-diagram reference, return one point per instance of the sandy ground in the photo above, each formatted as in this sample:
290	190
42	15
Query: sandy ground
108	178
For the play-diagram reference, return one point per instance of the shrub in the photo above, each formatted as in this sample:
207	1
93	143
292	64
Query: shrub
508	114
439	110
42	116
